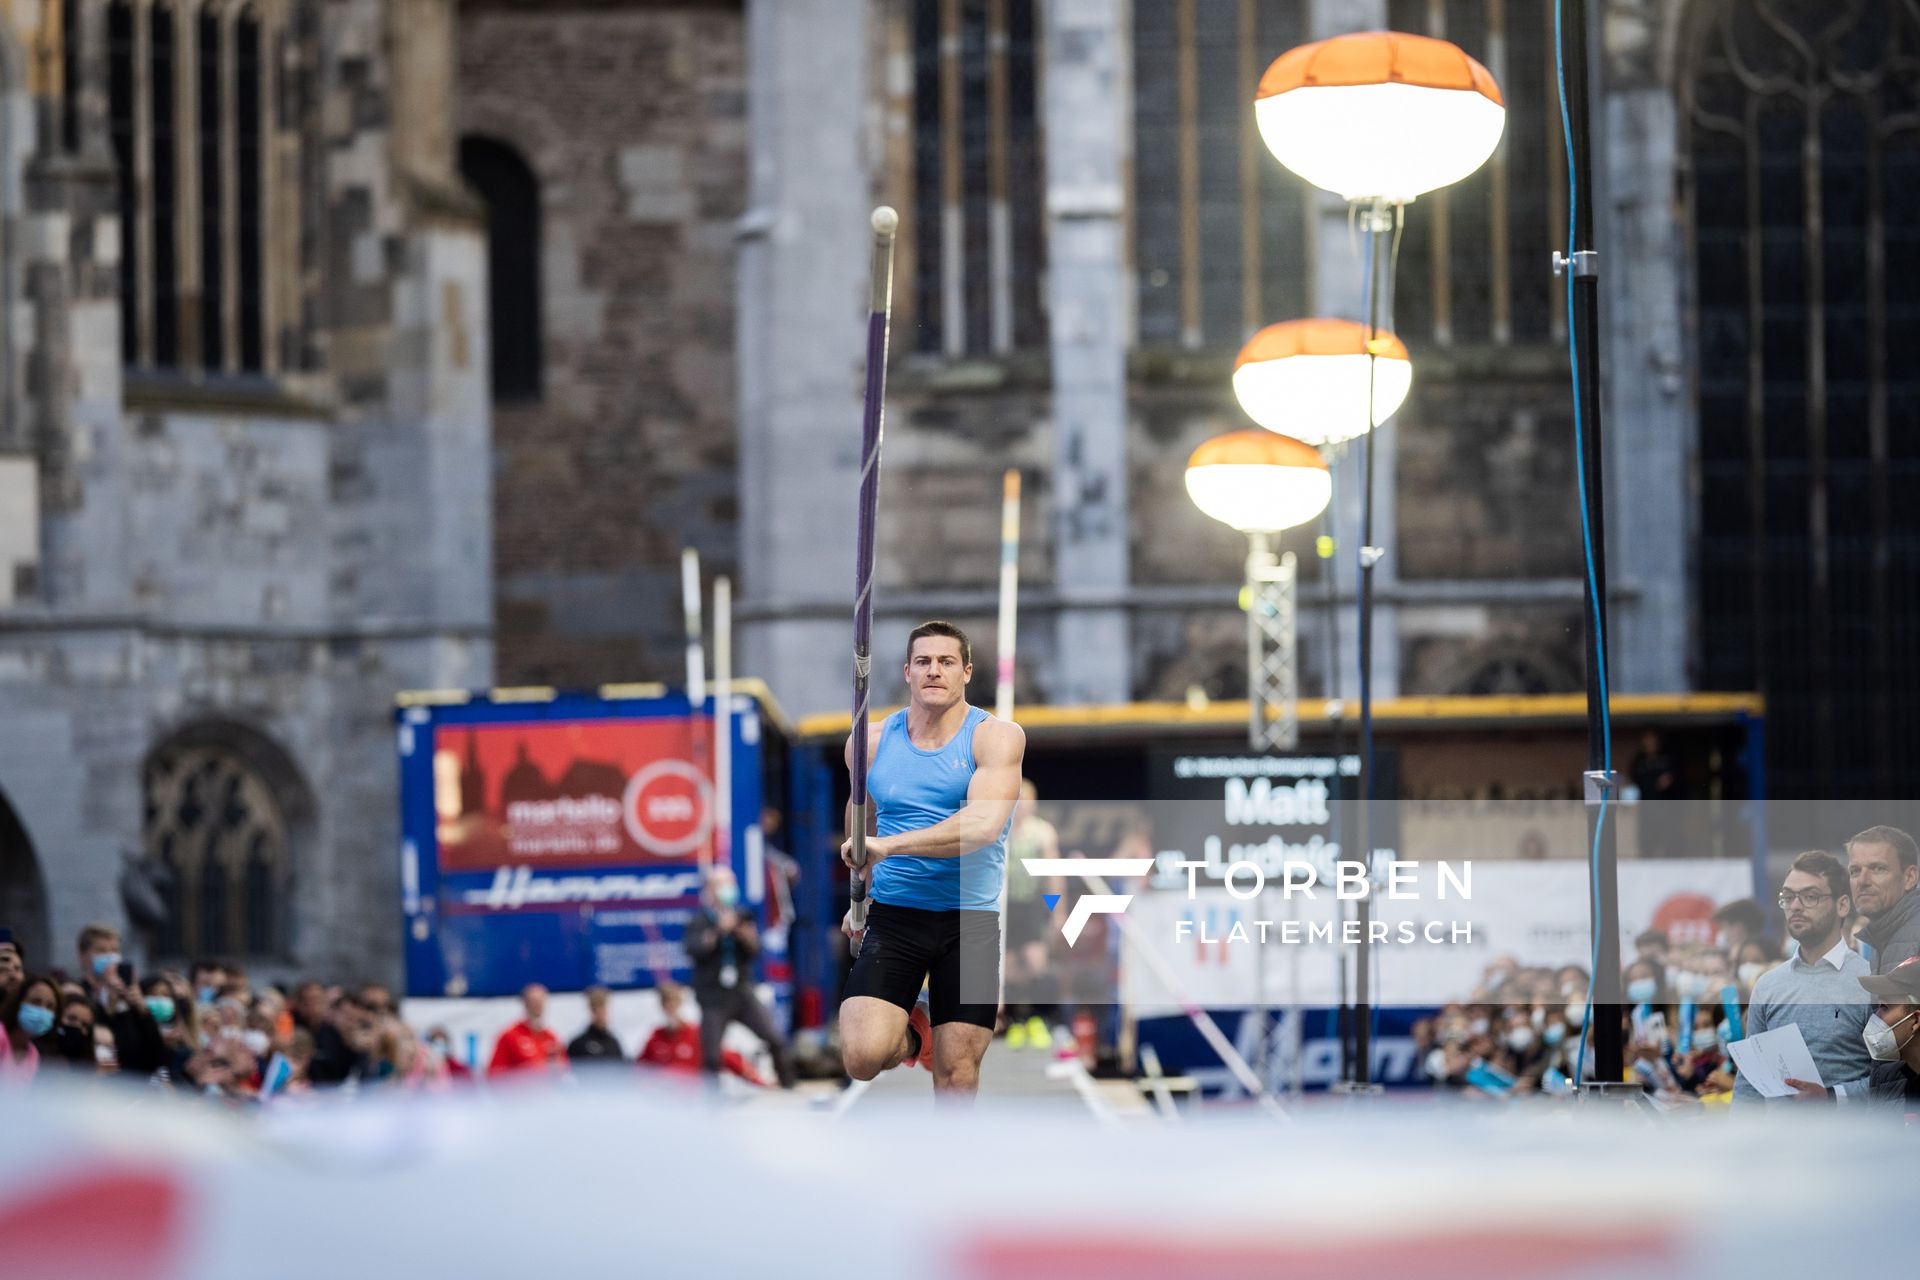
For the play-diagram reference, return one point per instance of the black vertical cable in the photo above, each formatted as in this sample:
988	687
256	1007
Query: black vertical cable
1573	42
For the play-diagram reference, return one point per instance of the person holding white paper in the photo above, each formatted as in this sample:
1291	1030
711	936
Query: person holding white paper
1818	988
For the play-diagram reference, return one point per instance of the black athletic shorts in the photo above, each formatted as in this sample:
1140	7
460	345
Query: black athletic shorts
956	953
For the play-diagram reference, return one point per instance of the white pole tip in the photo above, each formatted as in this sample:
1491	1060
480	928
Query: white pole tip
886	220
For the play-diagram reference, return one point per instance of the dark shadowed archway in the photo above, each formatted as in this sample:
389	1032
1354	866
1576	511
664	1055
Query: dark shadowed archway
23	897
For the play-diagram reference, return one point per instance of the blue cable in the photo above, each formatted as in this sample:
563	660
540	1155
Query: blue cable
1586	530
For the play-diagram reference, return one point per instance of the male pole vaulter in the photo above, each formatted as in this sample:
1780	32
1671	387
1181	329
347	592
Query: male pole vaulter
942	778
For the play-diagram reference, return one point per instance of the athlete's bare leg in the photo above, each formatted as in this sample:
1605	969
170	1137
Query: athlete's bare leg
958	1048
873	1036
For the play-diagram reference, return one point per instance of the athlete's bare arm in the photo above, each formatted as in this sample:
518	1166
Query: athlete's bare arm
873	810
998	748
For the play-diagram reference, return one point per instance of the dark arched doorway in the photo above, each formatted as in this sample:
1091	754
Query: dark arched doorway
23	897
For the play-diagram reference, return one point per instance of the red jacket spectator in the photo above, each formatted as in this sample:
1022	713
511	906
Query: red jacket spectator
676	1046
525	1048
527	1045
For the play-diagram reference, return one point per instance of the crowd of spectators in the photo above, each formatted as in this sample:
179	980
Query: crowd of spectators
1846	976
212	1032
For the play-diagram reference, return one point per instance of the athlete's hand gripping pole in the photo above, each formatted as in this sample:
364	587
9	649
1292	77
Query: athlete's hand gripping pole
879	318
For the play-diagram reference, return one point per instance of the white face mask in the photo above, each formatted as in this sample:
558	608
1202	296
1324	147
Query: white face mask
1577	1013
1750	973
1882	1044
1520	1039
1437	1064
255	1041
1705	1038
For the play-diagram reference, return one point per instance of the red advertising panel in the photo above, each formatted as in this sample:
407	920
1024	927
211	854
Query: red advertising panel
581	794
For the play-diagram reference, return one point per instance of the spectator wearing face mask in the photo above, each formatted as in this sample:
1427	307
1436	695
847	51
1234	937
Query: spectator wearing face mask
1818	988
70	1045
1645	984
527	1047
1520	1038
722	941
1892	1033
27	1016
1884	867
207	976
141	1049
177	1020
440	1046
1755	958
1699	1060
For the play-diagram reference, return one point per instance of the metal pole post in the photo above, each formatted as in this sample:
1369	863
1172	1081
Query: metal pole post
1377	218
1582	263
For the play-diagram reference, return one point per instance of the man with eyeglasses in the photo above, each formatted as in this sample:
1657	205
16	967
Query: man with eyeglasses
1818	988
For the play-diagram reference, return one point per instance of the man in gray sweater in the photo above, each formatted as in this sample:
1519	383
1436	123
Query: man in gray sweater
1818	988
1886	889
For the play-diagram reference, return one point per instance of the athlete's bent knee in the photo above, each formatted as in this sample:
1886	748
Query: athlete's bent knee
964	1078
862	1066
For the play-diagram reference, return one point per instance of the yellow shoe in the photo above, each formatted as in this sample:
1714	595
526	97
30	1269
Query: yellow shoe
1037	1034
1016	1035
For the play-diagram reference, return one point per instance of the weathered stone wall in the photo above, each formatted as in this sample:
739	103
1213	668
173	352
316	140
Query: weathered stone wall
634	121
267	565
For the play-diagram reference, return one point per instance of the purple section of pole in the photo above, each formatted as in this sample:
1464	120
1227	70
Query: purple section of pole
872	430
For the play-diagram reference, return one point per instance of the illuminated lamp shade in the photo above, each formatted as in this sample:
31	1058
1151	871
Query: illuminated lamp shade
1379	114
1258	482
1308	379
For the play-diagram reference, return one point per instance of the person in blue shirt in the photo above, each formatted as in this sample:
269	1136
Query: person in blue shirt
942	779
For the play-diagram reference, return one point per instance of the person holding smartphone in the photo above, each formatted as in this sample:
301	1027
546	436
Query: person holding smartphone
118	1002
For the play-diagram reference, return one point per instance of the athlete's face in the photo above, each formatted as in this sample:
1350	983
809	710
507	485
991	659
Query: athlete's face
936	675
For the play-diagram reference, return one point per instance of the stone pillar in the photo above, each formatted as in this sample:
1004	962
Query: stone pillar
802	352
1338	275
1650	428
1088	125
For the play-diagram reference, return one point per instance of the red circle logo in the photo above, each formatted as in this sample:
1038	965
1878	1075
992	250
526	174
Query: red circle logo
1685	917
668	808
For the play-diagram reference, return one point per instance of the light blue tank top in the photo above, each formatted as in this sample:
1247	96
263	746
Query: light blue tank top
912	789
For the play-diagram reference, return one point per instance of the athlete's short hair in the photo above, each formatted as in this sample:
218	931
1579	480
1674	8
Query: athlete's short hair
939	628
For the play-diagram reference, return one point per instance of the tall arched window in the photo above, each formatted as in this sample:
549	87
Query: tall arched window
193	260
220	830
1804	124
1219	228
512	196
976	213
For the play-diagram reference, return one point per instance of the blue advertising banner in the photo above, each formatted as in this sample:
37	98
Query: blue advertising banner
561	841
